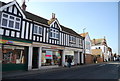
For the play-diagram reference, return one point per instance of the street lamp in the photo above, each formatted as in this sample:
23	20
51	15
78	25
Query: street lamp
84	43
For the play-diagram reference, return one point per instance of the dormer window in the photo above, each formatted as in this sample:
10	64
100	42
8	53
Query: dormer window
54	33
37	30
10	21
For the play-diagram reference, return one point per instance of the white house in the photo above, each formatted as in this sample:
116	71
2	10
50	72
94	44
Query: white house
88	57
101	44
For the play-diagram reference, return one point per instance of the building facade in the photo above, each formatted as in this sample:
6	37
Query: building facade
32	42
99	47
88	52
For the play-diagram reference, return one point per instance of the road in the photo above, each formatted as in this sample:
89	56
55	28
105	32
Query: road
109	70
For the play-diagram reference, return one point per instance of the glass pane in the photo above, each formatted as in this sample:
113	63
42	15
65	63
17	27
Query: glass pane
57	35
11	24
4	15
4	22
17	19
35	29
17	25
11	17
54	35
50	34
40	30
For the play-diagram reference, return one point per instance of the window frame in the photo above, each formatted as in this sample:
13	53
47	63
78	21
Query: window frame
72	39
37	30
54	33
8	20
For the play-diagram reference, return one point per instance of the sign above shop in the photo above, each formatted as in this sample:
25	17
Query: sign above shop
13	42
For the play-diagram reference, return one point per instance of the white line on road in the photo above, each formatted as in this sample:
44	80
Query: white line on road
102	64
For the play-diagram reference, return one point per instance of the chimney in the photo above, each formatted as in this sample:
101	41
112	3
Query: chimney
53	15
24	5
94	41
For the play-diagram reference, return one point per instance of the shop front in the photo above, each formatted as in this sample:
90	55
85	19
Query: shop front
74	54
51	57
46	56
14	55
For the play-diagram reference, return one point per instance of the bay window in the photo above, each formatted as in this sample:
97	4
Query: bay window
10	21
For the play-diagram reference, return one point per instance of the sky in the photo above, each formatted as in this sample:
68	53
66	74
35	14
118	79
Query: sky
99	18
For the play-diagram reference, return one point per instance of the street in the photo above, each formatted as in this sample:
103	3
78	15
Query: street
98	71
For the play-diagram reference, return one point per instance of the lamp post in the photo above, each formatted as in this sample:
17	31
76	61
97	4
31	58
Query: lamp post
84	44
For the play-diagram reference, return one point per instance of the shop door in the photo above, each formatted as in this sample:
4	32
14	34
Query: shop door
35	58
80	57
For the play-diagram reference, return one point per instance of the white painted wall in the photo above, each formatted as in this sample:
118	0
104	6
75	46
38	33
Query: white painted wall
87	44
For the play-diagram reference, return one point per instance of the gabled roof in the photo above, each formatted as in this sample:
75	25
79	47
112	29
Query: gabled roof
5	5
42	20
84	34
101	41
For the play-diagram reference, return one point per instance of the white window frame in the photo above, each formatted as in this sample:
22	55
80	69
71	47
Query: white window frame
37	30
71	39
8	19
52	32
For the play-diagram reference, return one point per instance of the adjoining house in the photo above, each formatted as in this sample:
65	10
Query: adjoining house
99	47
33	42
88	56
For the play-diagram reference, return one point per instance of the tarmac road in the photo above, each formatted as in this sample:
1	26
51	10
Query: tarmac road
110	70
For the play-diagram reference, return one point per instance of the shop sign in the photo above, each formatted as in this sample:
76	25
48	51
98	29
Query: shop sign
6	42
48	55
13	42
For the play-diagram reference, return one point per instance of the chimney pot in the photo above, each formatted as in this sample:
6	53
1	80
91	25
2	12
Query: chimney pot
53	15
24	5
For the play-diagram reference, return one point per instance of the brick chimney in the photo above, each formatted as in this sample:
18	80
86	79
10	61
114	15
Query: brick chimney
24	5
53	15
94	41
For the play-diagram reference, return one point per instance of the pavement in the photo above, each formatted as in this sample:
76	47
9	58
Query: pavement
10	74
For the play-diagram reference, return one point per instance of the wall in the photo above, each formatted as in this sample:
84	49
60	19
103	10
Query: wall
88	58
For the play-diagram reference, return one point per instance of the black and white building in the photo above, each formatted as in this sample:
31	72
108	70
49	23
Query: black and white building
32	42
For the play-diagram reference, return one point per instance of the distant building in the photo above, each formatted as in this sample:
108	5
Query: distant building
100	47
88	57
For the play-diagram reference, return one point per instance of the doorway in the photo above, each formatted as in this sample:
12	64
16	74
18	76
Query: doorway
35	57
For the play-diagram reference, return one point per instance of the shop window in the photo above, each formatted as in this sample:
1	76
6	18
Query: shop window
54	33
13	54
50	58
37	30
10	21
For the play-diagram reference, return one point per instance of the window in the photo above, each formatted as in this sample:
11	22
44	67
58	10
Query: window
13	54
72	39
10	21
54	33
38	30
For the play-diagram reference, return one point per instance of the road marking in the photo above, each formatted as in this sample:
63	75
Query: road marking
102	64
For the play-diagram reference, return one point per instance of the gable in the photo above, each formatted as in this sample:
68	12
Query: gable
55	24
12	8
